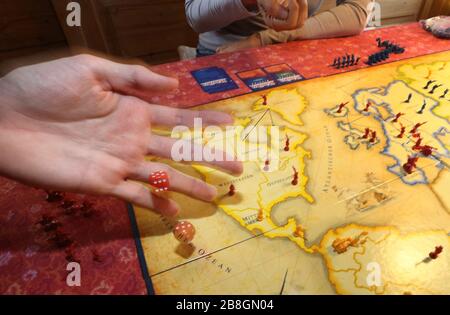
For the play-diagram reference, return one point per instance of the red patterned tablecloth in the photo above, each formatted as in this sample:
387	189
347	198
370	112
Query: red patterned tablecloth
104	243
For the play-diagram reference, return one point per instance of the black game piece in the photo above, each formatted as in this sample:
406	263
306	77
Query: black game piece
445	94
434	88
428	84
420	112
409	98
379	42
357	60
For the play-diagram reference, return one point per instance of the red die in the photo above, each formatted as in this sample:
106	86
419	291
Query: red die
159	180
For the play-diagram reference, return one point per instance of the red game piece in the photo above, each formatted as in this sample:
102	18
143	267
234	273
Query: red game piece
437	251
266	165
416	127
286	146
426	150
70	253
96	256
159	180
366	133
294	181
60	239
397	117
184	232
341	107
69	207
418	144
49	223
366	109
87	209
374	137
264	99
54	196
402	132
260	215
410	165
232	190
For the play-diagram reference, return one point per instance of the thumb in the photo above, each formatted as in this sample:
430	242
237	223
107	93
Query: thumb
135	80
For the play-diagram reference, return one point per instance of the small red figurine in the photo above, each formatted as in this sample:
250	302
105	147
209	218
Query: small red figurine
397	117
341	107
49	223
410	165
70	253
437	251
418	144
366	133
159	180
96	256
260	215
264	99
416	127
426	150
374	137
366	109
232	190
294	181
286	146
60	239
54	196
402	131
266	165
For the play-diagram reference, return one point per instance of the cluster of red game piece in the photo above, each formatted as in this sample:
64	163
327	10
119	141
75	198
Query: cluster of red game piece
341	107
53	227
372	133
409	166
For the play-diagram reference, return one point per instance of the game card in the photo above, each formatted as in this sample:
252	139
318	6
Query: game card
283	74
214	80
268	77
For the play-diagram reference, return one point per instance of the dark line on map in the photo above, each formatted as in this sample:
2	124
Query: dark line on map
212	253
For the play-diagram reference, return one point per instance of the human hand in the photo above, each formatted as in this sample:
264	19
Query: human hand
249	42
283	15
80	124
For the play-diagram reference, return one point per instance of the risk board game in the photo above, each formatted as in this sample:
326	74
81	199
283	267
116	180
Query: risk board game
358	202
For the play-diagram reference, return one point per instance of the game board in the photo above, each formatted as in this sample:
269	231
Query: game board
272	236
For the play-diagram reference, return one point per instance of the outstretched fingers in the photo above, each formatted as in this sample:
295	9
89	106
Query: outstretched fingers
172	148
139	195
178	181
163	115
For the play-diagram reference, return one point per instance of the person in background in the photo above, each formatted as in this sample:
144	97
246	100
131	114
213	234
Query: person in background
230	25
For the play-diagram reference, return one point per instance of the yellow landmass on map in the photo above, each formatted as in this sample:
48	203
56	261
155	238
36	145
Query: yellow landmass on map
248	242
402	259
417	76
288	103
273	185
